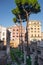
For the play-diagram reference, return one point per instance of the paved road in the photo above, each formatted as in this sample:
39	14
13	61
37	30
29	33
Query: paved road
14	63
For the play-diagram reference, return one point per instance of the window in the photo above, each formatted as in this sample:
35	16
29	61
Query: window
32	28
16	33
13	36
38	51
35	28
13	39
42	39
3	33
34	31
38	35
21	35
35	35
3	39
34	22
31	31
13	29
32	35
0	33
16	36
33	50
38	28
17	29
37	22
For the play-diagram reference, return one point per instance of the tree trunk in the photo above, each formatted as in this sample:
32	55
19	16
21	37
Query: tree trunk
27	36
28	50
20	35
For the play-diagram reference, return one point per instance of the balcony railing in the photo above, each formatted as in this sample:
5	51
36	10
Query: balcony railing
40	56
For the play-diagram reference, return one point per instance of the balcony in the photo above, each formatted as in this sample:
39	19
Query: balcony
40	56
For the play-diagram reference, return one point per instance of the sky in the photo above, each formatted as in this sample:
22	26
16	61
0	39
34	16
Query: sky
6	15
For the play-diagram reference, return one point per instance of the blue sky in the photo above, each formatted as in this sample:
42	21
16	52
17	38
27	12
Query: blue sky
6	15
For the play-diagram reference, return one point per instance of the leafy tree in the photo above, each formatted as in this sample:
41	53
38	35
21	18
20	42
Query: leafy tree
18	18
28	7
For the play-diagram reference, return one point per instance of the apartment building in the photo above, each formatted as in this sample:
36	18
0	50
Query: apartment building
42	35
15	34
4	36
36	49
3	56
34	30
40	53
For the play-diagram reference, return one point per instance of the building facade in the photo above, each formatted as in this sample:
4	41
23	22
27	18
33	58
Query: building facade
4	34
41	35
36	49
3	56
34	30
15	34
